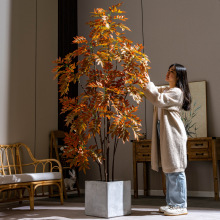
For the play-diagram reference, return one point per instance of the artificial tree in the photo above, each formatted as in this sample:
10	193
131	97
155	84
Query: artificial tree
114	69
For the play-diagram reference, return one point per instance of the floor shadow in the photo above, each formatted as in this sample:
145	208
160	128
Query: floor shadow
145	213
47	210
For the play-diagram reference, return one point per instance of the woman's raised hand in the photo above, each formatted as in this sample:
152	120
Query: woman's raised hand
147	76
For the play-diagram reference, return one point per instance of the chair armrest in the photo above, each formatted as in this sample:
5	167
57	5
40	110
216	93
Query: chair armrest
54	164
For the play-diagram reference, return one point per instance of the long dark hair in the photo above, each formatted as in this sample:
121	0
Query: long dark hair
182	83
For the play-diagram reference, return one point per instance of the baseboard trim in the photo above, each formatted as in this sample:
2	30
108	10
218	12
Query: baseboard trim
190	193
160	193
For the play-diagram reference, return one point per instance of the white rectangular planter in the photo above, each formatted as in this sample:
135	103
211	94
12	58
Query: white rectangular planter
107	199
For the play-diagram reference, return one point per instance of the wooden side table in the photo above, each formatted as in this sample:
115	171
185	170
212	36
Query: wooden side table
141	154
198	149
206	149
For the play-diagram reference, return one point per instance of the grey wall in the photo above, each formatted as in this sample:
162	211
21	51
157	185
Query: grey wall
28	93
174	31
187	32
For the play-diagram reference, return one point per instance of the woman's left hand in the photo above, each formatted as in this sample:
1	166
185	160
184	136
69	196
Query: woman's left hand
148	77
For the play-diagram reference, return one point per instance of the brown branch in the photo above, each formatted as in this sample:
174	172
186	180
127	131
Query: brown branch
100	169
113	161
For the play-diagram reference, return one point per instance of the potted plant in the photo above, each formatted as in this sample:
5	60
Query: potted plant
114	70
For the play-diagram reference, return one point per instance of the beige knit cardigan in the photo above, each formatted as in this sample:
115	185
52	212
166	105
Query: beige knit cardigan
170	151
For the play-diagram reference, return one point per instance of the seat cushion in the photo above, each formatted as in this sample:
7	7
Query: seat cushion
29	177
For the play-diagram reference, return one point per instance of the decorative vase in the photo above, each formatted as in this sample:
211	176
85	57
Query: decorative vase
107	199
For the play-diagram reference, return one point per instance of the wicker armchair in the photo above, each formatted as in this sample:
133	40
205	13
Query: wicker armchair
21	174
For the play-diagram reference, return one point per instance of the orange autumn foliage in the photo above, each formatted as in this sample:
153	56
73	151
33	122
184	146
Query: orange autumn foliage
114	69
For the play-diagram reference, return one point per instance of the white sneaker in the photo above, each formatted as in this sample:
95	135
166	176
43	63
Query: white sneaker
164	208
175	211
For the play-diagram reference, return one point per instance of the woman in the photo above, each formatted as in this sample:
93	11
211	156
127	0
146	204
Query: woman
169	136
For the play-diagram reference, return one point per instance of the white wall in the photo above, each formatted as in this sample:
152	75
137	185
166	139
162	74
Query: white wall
47	92
175	31
28	93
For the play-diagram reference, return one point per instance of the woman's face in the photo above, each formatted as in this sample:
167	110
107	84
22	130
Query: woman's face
171	76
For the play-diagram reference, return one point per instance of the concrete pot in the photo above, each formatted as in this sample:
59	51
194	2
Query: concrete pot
107	199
